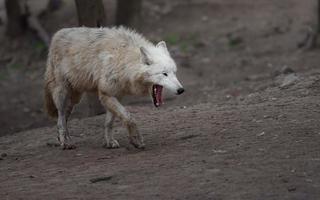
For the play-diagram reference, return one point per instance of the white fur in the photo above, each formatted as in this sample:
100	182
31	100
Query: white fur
111	62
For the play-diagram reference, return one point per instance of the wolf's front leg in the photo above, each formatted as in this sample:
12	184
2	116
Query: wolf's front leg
113	105
108	135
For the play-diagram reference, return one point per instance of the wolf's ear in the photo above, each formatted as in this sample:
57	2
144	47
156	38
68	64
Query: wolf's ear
145	56
163	46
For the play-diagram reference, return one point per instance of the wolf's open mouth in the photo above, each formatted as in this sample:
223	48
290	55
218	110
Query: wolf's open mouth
157	95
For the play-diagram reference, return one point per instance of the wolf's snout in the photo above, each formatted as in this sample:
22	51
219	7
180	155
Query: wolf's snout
180	91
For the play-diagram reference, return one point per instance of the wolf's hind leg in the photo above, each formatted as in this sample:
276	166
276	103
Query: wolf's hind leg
108	134
113	105
61	97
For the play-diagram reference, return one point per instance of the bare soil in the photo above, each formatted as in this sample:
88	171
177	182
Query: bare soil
246	128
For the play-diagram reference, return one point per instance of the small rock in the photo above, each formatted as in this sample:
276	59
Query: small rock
26	110
241	98
205	60
188	137
289	80
200	44
15	100
219	151
99	179
292	189
215	170
287	70
253	78
234	40
204	18
51	144
261	134
103	158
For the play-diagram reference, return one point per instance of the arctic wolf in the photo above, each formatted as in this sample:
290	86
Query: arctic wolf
112	62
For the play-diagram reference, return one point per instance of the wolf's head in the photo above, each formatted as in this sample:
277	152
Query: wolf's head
161	71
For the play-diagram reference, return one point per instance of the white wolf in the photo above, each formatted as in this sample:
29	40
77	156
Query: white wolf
112	62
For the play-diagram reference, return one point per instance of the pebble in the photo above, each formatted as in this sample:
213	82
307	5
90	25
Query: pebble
26	110
289	80
204	18
292	189
100	179
287	70
219	151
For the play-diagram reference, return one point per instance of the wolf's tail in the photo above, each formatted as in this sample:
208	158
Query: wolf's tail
49	103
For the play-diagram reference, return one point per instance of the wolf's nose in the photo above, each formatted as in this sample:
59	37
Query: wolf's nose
180	91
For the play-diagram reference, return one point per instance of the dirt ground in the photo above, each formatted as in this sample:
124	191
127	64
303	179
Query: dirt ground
247	126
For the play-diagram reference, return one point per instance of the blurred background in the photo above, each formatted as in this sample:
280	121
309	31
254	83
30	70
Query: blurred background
224	49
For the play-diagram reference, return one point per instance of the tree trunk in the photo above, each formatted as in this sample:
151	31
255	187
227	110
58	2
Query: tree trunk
128	12
15	22
310	40
91	14
318	17
315	33
54	5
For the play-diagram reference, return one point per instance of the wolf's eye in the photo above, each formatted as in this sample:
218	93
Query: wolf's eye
165	74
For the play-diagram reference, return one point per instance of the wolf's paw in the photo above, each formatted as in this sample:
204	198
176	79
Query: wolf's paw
137	142
68	146
112	144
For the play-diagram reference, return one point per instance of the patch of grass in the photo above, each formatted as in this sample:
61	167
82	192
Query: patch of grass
40	47
3	75
15	66
189	42
234	41
184	42
192	38
184	46
172	39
